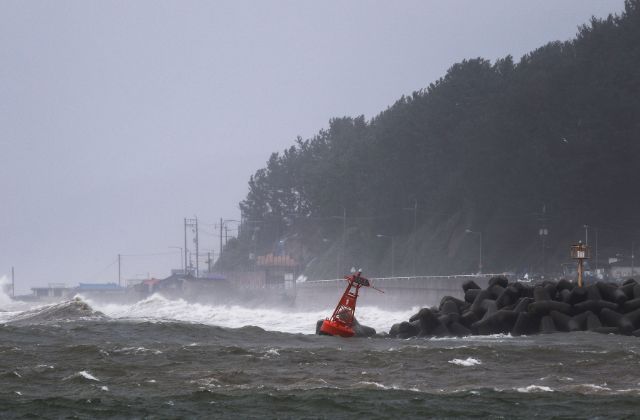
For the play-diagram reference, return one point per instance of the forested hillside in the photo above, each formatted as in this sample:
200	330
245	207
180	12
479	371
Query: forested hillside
502	148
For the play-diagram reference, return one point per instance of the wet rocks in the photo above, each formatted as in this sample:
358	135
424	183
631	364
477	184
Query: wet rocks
522	309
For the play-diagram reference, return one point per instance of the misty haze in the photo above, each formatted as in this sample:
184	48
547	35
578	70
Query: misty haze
290	209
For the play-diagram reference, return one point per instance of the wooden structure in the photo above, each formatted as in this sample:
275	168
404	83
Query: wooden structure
580	252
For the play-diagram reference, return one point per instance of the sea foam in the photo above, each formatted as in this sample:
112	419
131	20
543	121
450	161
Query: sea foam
158	308
469	361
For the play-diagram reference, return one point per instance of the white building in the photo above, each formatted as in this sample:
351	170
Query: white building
623	272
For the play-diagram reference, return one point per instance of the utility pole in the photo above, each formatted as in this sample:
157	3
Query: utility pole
119	270
13	283
632	258
415	232
197	254
596	251
226	234
480	263
194	224
221	224
186	265
586	235
543	232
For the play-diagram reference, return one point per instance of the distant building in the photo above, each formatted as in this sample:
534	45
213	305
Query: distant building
620	272
53	290
99	288
280	270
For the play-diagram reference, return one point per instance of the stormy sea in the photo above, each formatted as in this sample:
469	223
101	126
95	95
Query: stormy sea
160	358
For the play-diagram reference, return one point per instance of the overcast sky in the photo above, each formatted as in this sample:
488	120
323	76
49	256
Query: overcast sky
120	118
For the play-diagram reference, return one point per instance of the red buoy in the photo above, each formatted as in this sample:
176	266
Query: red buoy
341	322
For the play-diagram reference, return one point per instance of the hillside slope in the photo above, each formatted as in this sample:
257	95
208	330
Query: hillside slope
501	148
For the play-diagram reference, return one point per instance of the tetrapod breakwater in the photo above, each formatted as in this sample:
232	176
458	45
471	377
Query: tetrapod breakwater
516	308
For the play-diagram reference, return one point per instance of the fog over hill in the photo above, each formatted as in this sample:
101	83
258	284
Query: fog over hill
502	148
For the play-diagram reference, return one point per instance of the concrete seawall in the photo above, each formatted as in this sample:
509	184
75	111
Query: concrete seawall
399	292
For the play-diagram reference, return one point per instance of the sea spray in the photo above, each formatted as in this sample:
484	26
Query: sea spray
5	285
157	308
8	306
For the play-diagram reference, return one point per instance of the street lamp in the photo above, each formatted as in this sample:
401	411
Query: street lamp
586	234
632	258
414	209
543	232
181	260
393	271
480	260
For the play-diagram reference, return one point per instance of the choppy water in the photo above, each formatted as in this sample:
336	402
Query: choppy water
164	358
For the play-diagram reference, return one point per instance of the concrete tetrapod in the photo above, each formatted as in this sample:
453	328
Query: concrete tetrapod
524	309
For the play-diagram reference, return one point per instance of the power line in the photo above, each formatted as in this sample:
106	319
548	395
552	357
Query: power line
148	255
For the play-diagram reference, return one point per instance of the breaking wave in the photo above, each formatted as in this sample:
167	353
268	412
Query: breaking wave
158	308
72	310
469	361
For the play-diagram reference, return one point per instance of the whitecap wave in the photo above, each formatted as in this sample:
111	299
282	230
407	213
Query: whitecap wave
535	388
159	308
469	361
71	310
82	374
377	385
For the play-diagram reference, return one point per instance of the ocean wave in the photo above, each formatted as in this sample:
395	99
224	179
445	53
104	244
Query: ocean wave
469	361
271	353
535	388
159	308
136	351
590	388
72	310
82	374
377	385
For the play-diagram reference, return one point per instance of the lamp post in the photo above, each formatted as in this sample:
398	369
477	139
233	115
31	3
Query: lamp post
632	258
586	235
393	271
480	259
414	209
181	260
543	232
597	273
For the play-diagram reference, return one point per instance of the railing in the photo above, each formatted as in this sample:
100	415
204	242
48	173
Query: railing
406	279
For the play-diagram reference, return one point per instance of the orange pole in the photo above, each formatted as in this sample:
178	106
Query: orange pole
580	272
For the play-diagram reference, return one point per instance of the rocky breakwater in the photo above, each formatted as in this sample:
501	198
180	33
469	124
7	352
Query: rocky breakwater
523	309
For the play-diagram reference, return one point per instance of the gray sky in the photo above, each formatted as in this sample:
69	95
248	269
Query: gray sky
119	118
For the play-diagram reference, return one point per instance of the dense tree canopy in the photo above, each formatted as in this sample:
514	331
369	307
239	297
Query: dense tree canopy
502	148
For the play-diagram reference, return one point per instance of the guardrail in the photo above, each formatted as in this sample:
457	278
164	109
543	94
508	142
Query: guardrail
399	291
398	281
